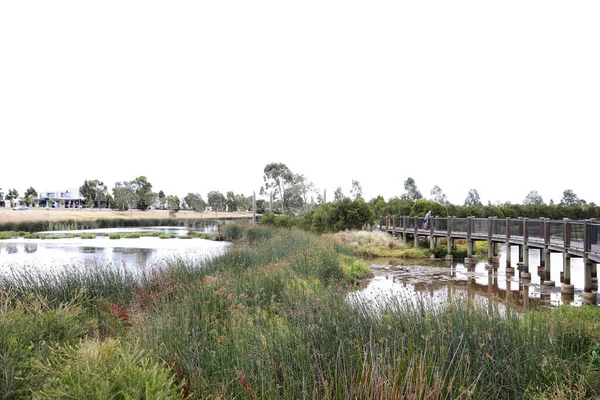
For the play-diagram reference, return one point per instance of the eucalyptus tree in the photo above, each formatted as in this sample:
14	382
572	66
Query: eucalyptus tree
30	195
93	190
338	195
243	203
570	199
473	198
162	199
438	195
143	189
533	198
412	193
356	190
195	201
12	194
279	178
230	202
173	203
125	195
216	201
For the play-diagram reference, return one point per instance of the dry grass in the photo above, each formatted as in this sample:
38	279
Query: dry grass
78	214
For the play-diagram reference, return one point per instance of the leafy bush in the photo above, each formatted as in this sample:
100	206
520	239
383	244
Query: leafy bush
258	234
28	329
105	370
231	232
354	269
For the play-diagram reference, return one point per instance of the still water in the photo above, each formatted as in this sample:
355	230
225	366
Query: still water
439	281
129	253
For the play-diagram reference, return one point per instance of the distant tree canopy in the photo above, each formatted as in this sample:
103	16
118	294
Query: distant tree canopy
533	198
93	190
412	193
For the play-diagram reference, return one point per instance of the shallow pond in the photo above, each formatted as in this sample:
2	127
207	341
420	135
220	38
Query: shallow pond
439	281
130	253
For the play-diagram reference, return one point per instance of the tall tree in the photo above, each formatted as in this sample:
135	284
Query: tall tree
243	203
216	201
143	189
338	195
195	201
411	189
473	198
162	199
173	203
279	177
125	196
570	199
230	202
533	198
356	190
30	195
92	191
438	195
12	195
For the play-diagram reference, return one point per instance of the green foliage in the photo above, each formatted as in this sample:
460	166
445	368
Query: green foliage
231	232
256	234
421	206
354	269
144	192
29	328
105	370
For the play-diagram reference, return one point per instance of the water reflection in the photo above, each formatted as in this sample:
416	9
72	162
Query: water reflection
442	281
128	253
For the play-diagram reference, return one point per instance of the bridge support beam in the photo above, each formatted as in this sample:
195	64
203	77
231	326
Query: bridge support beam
450	243
432	243
547	280
508	255
567	268
589	297
521	253
525	274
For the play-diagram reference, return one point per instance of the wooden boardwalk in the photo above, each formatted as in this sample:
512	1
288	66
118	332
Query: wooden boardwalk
571	238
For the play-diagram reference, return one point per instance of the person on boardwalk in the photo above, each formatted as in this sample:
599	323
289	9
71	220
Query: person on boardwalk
427	218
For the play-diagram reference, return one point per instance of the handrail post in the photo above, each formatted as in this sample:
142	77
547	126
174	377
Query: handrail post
393	226
416	232
489	241
507	244
566	254
525	245
404	230
587	285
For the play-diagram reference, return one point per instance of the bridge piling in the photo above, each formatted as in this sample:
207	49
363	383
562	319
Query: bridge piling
547	280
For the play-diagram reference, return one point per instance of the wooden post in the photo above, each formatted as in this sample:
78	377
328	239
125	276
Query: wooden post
416	242
404	230
507	243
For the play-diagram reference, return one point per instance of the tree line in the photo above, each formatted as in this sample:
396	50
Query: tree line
353	212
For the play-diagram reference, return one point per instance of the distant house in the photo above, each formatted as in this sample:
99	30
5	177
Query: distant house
68	198
2	199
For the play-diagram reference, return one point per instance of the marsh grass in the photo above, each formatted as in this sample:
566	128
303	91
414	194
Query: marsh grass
273	319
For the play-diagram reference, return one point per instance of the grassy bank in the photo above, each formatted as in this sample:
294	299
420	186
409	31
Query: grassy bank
382	244
40	226
272	319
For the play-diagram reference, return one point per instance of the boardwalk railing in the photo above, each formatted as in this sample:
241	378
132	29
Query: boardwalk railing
579	238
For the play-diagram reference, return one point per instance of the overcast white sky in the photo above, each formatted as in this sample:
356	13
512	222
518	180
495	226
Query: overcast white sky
502	97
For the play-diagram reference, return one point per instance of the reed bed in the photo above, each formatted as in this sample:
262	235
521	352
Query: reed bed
274	319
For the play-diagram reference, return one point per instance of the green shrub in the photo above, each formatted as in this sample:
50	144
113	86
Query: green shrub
354	269
231	232
105	370
28	329
257	234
